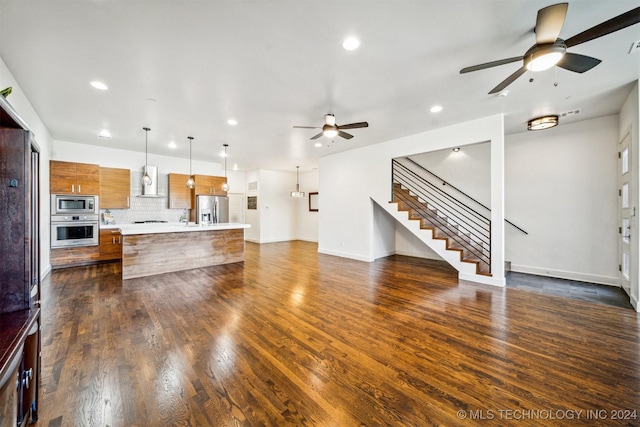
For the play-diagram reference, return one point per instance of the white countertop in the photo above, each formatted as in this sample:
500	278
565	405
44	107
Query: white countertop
155	228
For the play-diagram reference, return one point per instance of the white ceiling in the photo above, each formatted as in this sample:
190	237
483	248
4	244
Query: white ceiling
183	68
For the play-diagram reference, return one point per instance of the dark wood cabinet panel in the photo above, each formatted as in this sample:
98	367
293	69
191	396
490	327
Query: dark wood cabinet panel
19	269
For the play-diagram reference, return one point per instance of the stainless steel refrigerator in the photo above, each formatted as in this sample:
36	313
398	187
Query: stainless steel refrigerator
212	209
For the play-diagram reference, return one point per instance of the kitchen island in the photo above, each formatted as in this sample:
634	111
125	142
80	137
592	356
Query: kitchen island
149	249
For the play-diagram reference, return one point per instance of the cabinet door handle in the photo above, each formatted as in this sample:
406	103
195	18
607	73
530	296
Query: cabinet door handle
128	202
79	190
113	240
73	188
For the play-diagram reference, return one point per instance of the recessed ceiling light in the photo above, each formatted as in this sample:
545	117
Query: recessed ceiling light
436	109
232	122
503	93
104	133
318	144
235	166
351	43
455	150
99	85
172	144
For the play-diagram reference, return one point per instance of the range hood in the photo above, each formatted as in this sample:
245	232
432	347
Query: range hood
151	190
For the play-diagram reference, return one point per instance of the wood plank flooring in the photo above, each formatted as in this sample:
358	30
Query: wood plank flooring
292	337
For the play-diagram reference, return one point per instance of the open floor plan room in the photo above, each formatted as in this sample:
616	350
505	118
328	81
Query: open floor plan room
293	337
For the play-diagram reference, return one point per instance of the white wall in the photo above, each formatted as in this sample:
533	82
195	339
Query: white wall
552	192
349	179
630	122
23	107
278	214
308	221
561	187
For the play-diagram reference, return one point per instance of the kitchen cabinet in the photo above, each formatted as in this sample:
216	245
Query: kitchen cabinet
19	269
179	193
110	245
115	188
73	178
209	185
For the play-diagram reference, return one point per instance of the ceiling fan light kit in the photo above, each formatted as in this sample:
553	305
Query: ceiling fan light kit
540	58
330	129
541	123
551	50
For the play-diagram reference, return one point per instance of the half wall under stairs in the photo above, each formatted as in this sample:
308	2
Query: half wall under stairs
469	267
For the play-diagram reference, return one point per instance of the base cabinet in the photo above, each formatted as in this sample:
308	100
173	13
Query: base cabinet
110	245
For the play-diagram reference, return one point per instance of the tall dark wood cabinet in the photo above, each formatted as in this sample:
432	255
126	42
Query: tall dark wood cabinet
19	270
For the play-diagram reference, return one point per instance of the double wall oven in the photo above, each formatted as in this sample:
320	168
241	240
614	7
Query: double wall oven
74	221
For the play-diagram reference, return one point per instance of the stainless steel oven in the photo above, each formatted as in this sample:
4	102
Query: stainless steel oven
74	230
64	204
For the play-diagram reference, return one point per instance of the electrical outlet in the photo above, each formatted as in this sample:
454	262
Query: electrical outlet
635	47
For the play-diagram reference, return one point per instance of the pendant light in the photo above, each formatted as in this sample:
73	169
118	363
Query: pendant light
297	193
146	179
191	182
225	186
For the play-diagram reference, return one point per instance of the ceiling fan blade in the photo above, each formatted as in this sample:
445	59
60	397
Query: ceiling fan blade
577	63
354	125
490	64
506	82
612	25
549	22
307	127
345	135
317	136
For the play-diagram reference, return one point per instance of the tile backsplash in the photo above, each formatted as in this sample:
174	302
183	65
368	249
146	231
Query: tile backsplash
147	208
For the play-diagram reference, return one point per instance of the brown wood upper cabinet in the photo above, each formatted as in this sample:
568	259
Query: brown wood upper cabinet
115	188
210	185
179	193
74	178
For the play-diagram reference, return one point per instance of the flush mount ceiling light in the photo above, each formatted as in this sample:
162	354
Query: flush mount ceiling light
191	182
99	85
541	123
297	193
232	122
436	108
455	150
146	179
225	186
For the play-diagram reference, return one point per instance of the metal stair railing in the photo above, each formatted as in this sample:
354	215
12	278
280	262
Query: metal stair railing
460	223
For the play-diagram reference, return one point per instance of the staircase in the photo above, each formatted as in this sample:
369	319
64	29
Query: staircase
454	236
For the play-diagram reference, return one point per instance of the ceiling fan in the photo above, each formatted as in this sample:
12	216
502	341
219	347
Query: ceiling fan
550	50
331	129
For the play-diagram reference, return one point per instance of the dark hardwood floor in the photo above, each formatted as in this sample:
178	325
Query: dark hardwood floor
293	337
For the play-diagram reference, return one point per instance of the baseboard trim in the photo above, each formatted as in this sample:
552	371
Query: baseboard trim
345	255
568	275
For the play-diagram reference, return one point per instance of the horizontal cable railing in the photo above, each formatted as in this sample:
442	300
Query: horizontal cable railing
468	197
463	225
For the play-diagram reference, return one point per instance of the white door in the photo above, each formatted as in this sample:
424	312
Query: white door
625	211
